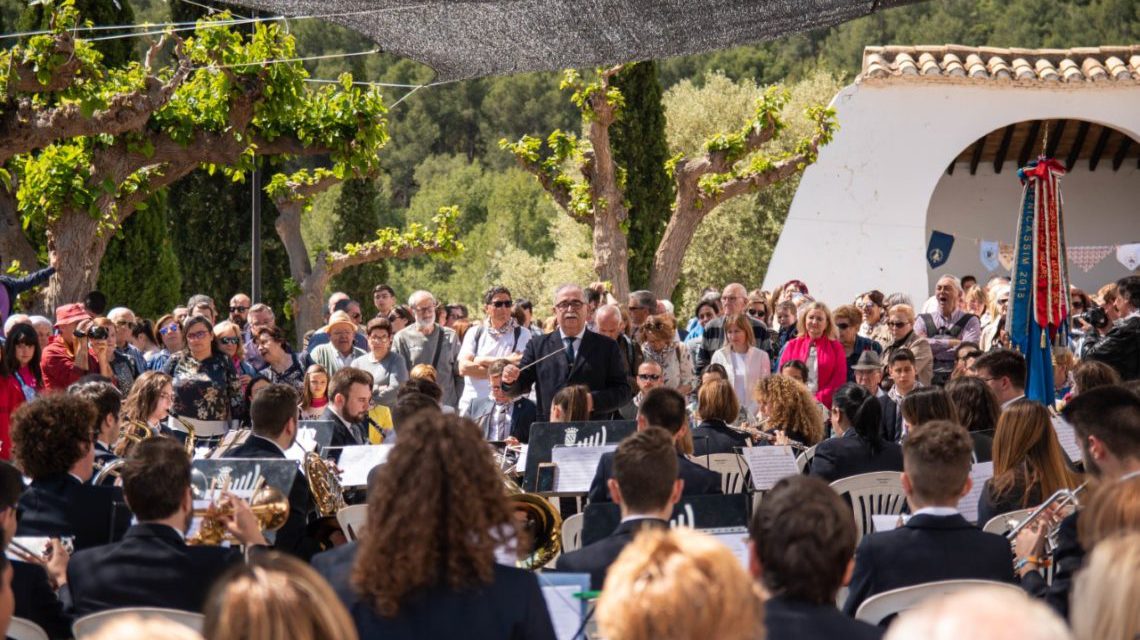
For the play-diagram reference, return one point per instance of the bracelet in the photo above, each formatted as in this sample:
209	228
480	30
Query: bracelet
1020	563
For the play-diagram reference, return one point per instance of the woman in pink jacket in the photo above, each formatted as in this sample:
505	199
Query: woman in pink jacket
818	347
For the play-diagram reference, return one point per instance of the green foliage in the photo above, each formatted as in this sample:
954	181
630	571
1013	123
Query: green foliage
140	269
584	93
534	277
115	53
358	215
640	149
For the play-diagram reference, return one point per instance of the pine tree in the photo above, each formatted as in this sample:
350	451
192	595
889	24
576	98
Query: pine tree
358	213
640	148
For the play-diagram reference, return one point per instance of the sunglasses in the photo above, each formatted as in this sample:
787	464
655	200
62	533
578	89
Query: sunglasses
896	325
239	309
842	327
648	376
499	304
197	335
230	340
757	313
170	328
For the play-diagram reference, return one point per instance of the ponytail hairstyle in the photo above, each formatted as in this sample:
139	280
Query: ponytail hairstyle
862	410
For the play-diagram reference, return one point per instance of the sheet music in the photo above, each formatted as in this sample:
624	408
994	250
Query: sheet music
1068	438
565	610
576	467
306	439
358	460
968	505
885	522
296	453
520	464
769	465
736	539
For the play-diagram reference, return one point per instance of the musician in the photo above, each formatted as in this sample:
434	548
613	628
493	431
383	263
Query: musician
108	402
1004	371
439	490
153	566
1107	424
583	357
500	416
645	485
274	415
717	407
802	550
789	411
149	402
936	542
34	587
54	447
649	376
665	409
858	446
350	392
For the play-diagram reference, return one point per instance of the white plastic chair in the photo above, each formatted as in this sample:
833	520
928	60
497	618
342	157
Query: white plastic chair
731	467
572	532
88	625
1002	524
24	629
805	457
883	605
872	494
351	520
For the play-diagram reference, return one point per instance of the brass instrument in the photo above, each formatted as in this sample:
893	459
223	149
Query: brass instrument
269	506
539	524
189	434
328	495
1062	499
110	470
131	433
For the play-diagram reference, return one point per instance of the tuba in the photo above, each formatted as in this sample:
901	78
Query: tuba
540	526
269	506
324	485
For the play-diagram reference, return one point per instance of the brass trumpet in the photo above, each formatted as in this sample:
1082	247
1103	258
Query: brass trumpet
1062	499
269	506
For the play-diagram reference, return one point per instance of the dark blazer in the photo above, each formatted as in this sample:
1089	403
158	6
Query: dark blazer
699	481
927	549
291	537
61	505
990	504
791	619
103	455
510	607
983	446
850	455
523	414
36	601
150	567
1067	560
344	435
598	363
595	559
714	436
891	421
713	339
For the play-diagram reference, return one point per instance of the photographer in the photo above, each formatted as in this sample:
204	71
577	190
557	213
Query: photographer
1120	348
68	357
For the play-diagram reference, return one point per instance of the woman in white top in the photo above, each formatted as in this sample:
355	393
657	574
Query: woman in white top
744	363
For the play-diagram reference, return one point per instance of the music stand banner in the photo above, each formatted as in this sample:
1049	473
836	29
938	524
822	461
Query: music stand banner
695	512
544	436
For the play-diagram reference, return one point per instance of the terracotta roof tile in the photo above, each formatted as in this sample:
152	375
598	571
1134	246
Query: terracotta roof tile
955	63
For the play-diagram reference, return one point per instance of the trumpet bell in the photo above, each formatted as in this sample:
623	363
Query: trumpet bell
269	506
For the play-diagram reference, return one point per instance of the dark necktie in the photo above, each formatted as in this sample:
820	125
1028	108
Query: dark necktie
569	340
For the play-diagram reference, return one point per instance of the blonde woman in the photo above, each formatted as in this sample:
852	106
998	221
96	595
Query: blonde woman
659	343
900	320
1106	591
275	597
787	409
819	348
679	585
742	361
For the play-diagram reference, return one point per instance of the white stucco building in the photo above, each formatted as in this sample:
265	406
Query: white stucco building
931	138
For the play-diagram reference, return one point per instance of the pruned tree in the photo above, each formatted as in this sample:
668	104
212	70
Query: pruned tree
585	181
309	278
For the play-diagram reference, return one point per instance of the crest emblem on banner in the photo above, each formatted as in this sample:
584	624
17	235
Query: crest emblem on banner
571	436
989	255
1005	255
1129	255
938	251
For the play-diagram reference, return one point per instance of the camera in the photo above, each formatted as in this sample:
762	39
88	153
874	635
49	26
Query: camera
95	333
1094	317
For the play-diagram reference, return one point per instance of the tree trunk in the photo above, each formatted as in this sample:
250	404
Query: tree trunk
307	300
14	244
611	248
80	247
675	241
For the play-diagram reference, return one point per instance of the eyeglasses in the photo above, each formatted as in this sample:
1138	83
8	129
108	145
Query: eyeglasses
381	337
648	376
567	305
867	305
842	327
125	323
170	328
499	304
1003	302
198	335
239	309
757	313
230	340
897	325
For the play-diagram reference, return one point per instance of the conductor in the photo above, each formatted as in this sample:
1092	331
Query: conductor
571	355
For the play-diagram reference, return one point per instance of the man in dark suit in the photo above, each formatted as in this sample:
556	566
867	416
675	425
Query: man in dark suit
108	403
936	543
646	486
34	587
802	548
665	408
274	416
153	566
1107	423
583	357
53	436
350	392
735	300
499	416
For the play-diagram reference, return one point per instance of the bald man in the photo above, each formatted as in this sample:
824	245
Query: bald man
734	299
